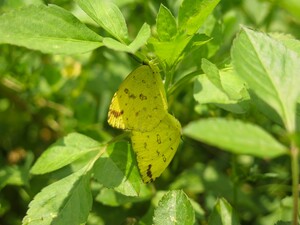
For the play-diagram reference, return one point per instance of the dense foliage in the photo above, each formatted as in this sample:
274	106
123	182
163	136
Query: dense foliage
231	74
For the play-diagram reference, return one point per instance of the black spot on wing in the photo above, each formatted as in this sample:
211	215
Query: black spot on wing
158	139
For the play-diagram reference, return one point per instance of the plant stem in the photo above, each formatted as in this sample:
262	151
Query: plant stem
183	81
234	179
295	181
119	137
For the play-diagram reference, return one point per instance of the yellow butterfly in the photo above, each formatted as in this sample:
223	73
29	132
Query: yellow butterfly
140	102
156	148
140	106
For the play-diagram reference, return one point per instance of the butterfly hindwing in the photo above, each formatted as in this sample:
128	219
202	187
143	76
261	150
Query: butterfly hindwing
156	148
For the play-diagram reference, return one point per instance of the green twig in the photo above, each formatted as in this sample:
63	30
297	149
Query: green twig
119	137
183	81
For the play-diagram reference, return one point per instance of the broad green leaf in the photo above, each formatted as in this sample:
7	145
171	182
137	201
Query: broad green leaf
288	40
197	41
49	29
223	88
223	214
110	197
270	70
174	208
67	201
138	42
141	38
236	137
170	52
166	24
192	14
119	165
115	45
212	73
292	44
108	16
64	152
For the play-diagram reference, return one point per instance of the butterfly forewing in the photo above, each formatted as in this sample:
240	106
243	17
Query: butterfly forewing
140	102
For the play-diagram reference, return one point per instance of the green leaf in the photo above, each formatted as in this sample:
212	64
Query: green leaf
213	28
172	51
119	165
67	201
174	208
236	137
115	45
212	73
64	152
169	52
199	211
288	40
166	24
282	212
192	14
49	29
13	175
198	41
139	41
17	175
270	70
108	16
223	88
141	38
110	197
223	214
